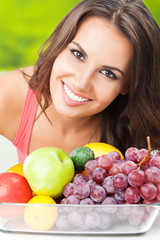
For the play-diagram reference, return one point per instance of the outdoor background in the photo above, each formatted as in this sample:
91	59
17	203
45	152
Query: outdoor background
26	24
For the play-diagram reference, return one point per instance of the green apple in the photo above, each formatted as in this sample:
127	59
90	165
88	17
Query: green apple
48	170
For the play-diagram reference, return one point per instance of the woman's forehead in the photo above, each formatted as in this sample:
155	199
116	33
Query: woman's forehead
97	36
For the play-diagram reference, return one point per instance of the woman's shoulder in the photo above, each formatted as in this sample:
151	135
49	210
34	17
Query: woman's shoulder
16	76
13	90
14	85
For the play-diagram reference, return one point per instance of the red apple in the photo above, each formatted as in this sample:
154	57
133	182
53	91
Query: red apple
14	188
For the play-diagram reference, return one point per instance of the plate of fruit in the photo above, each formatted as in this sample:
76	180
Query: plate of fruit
93	190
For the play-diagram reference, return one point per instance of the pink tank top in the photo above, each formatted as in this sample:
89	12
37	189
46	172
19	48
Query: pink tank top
22	138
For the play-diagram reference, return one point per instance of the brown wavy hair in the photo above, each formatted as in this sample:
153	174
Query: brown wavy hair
131	118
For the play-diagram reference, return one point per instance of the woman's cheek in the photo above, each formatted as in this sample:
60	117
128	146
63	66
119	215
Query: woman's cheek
107	94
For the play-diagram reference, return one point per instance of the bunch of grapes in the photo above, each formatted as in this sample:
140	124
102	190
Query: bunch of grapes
111	180
122	180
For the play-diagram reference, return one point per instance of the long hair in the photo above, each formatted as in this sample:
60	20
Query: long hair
131	118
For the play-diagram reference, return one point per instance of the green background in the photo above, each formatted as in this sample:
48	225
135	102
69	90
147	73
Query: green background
26	24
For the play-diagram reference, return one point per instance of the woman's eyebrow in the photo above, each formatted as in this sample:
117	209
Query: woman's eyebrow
80	48
104	66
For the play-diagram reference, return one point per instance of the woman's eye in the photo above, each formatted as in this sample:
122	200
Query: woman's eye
78	54
109	74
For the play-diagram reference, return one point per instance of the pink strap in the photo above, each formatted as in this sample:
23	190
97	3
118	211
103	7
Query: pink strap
22	138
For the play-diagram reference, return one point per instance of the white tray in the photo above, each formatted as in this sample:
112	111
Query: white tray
108	219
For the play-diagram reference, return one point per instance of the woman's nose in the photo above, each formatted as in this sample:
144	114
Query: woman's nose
83	80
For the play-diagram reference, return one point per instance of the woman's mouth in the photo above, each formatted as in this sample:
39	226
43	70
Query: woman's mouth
74	97
71	98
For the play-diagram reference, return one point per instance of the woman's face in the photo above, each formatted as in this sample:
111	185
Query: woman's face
92	70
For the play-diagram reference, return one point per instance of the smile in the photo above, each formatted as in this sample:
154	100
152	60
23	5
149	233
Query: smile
74	97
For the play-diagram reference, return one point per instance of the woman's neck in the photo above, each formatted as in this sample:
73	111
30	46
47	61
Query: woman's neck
88	124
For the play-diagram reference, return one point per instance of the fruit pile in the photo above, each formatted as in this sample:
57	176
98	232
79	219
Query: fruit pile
109	181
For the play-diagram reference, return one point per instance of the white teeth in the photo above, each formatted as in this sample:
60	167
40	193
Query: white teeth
74	97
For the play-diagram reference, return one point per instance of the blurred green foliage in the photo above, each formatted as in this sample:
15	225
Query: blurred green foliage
26	24
154	7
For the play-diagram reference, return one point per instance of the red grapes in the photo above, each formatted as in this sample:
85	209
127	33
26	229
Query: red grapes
125	180
111	180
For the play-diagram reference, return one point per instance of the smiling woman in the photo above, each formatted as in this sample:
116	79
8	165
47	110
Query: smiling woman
90	76
96	80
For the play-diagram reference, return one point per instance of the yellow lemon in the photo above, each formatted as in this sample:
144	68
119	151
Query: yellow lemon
102	148
18	168
41	216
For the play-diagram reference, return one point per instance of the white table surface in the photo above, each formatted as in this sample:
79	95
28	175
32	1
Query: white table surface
153	234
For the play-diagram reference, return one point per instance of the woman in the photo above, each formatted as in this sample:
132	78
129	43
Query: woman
97	79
